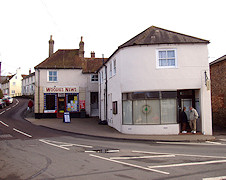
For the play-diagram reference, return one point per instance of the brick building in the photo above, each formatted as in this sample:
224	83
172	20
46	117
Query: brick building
218	85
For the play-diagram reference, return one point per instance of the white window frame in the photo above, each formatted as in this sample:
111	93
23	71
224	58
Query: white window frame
157	58
53	76
94	78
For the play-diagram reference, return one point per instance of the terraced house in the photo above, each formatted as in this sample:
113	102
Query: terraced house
148	80
66	82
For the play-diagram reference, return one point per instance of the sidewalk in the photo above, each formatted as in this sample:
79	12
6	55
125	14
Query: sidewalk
90	127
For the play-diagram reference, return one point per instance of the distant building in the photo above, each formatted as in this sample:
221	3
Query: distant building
12	85
28	84
218	90
148	80
67	82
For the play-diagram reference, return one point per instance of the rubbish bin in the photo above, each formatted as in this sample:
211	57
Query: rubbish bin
82	113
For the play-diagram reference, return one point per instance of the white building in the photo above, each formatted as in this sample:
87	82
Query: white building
148	80
66	82
11	86
28	84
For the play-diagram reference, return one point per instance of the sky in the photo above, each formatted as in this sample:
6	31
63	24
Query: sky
26	26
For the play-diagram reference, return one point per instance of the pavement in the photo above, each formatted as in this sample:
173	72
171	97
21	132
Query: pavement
90	127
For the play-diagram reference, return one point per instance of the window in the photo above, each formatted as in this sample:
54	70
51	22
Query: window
50	102
110	69
94	78
166	58
114	66
52	76
115	107
14	83
102	76
13	91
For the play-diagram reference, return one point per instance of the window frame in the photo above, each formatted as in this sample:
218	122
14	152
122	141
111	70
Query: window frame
114	67
94	78
48	76
167	58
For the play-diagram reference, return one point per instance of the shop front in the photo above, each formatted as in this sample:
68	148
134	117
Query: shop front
58	100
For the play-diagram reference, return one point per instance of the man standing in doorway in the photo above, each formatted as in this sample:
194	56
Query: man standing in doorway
193	117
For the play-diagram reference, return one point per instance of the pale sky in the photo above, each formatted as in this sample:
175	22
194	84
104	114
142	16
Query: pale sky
26	26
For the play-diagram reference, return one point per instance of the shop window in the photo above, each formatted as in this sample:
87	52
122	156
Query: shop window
127	112
72	103
50	102
115	108
168	111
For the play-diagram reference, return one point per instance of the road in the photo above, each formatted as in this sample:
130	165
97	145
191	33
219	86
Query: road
34	152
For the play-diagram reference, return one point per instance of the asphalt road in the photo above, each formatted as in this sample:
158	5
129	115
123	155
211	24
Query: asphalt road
43	153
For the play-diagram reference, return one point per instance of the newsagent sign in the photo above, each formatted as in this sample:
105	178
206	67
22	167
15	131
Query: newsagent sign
61	90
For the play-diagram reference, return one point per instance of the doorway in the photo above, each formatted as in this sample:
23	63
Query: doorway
94	104
61	107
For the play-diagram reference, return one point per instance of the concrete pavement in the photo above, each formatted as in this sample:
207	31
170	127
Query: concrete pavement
90	127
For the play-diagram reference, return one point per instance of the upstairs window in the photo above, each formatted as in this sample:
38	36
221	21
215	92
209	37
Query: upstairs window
166	58
114	67
110	69
94	78
52	76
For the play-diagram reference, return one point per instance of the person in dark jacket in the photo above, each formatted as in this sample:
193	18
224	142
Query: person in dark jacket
184	120
30	105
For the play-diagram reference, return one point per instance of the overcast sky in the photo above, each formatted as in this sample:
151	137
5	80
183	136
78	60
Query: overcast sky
26	26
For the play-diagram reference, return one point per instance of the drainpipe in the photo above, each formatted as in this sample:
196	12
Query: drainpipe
38	91
106	90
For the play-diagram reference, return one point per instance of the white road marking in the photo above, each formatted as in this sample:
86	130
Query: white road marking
215	178
189	155
2	112
143	157
189	164
63	145
8	109
184	143
4	124
21	132
128	164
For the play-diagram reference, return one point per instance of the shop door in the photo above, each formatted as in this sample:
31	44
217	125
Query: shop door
186	103
94	104
61	107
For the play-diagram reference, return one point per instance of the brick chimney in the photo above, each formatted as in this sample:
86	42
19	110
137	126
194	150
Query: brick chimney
51	43
92	54
29	71
81	48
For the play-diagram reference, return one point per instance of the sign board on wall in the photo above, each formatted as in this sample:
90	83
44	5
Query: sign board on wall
82	104
61	90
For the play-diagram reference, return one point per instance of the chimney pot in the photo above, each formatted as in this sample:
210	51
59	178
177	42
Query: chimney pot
92	54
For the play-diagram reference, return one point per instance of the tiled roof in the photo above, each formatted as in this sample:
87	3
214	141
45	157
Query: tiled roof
156	35
223	58
27	76
69	59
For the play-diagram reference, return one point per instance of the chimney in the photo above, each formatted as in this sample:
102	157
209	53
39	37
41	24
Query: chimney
92	54
51	43
29	71
81	48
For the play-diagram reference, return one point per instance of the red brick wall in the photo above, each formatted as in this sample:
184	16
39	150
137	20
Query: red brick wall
218	92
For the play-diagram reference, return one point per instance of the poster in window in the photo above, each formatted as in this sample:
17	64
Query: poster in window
82	104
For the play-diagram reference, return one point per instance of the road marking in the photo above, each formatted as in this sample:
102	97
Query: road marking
199	144
4	124
63	145
215	178
143	157
2	112
8	109
189	155
188	164
211	142
222	139
21	132
128	164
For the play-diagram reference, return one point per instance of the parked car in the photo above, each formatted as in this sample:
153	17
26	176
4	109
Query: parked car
6	100
10	99
2	104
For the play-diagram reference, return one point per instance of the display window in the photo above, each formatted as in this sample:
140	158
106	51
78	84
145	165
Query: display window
72	102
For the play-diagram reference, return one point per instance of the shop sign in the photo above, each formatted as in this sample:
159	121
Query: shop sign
60	90
50	111
82	104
